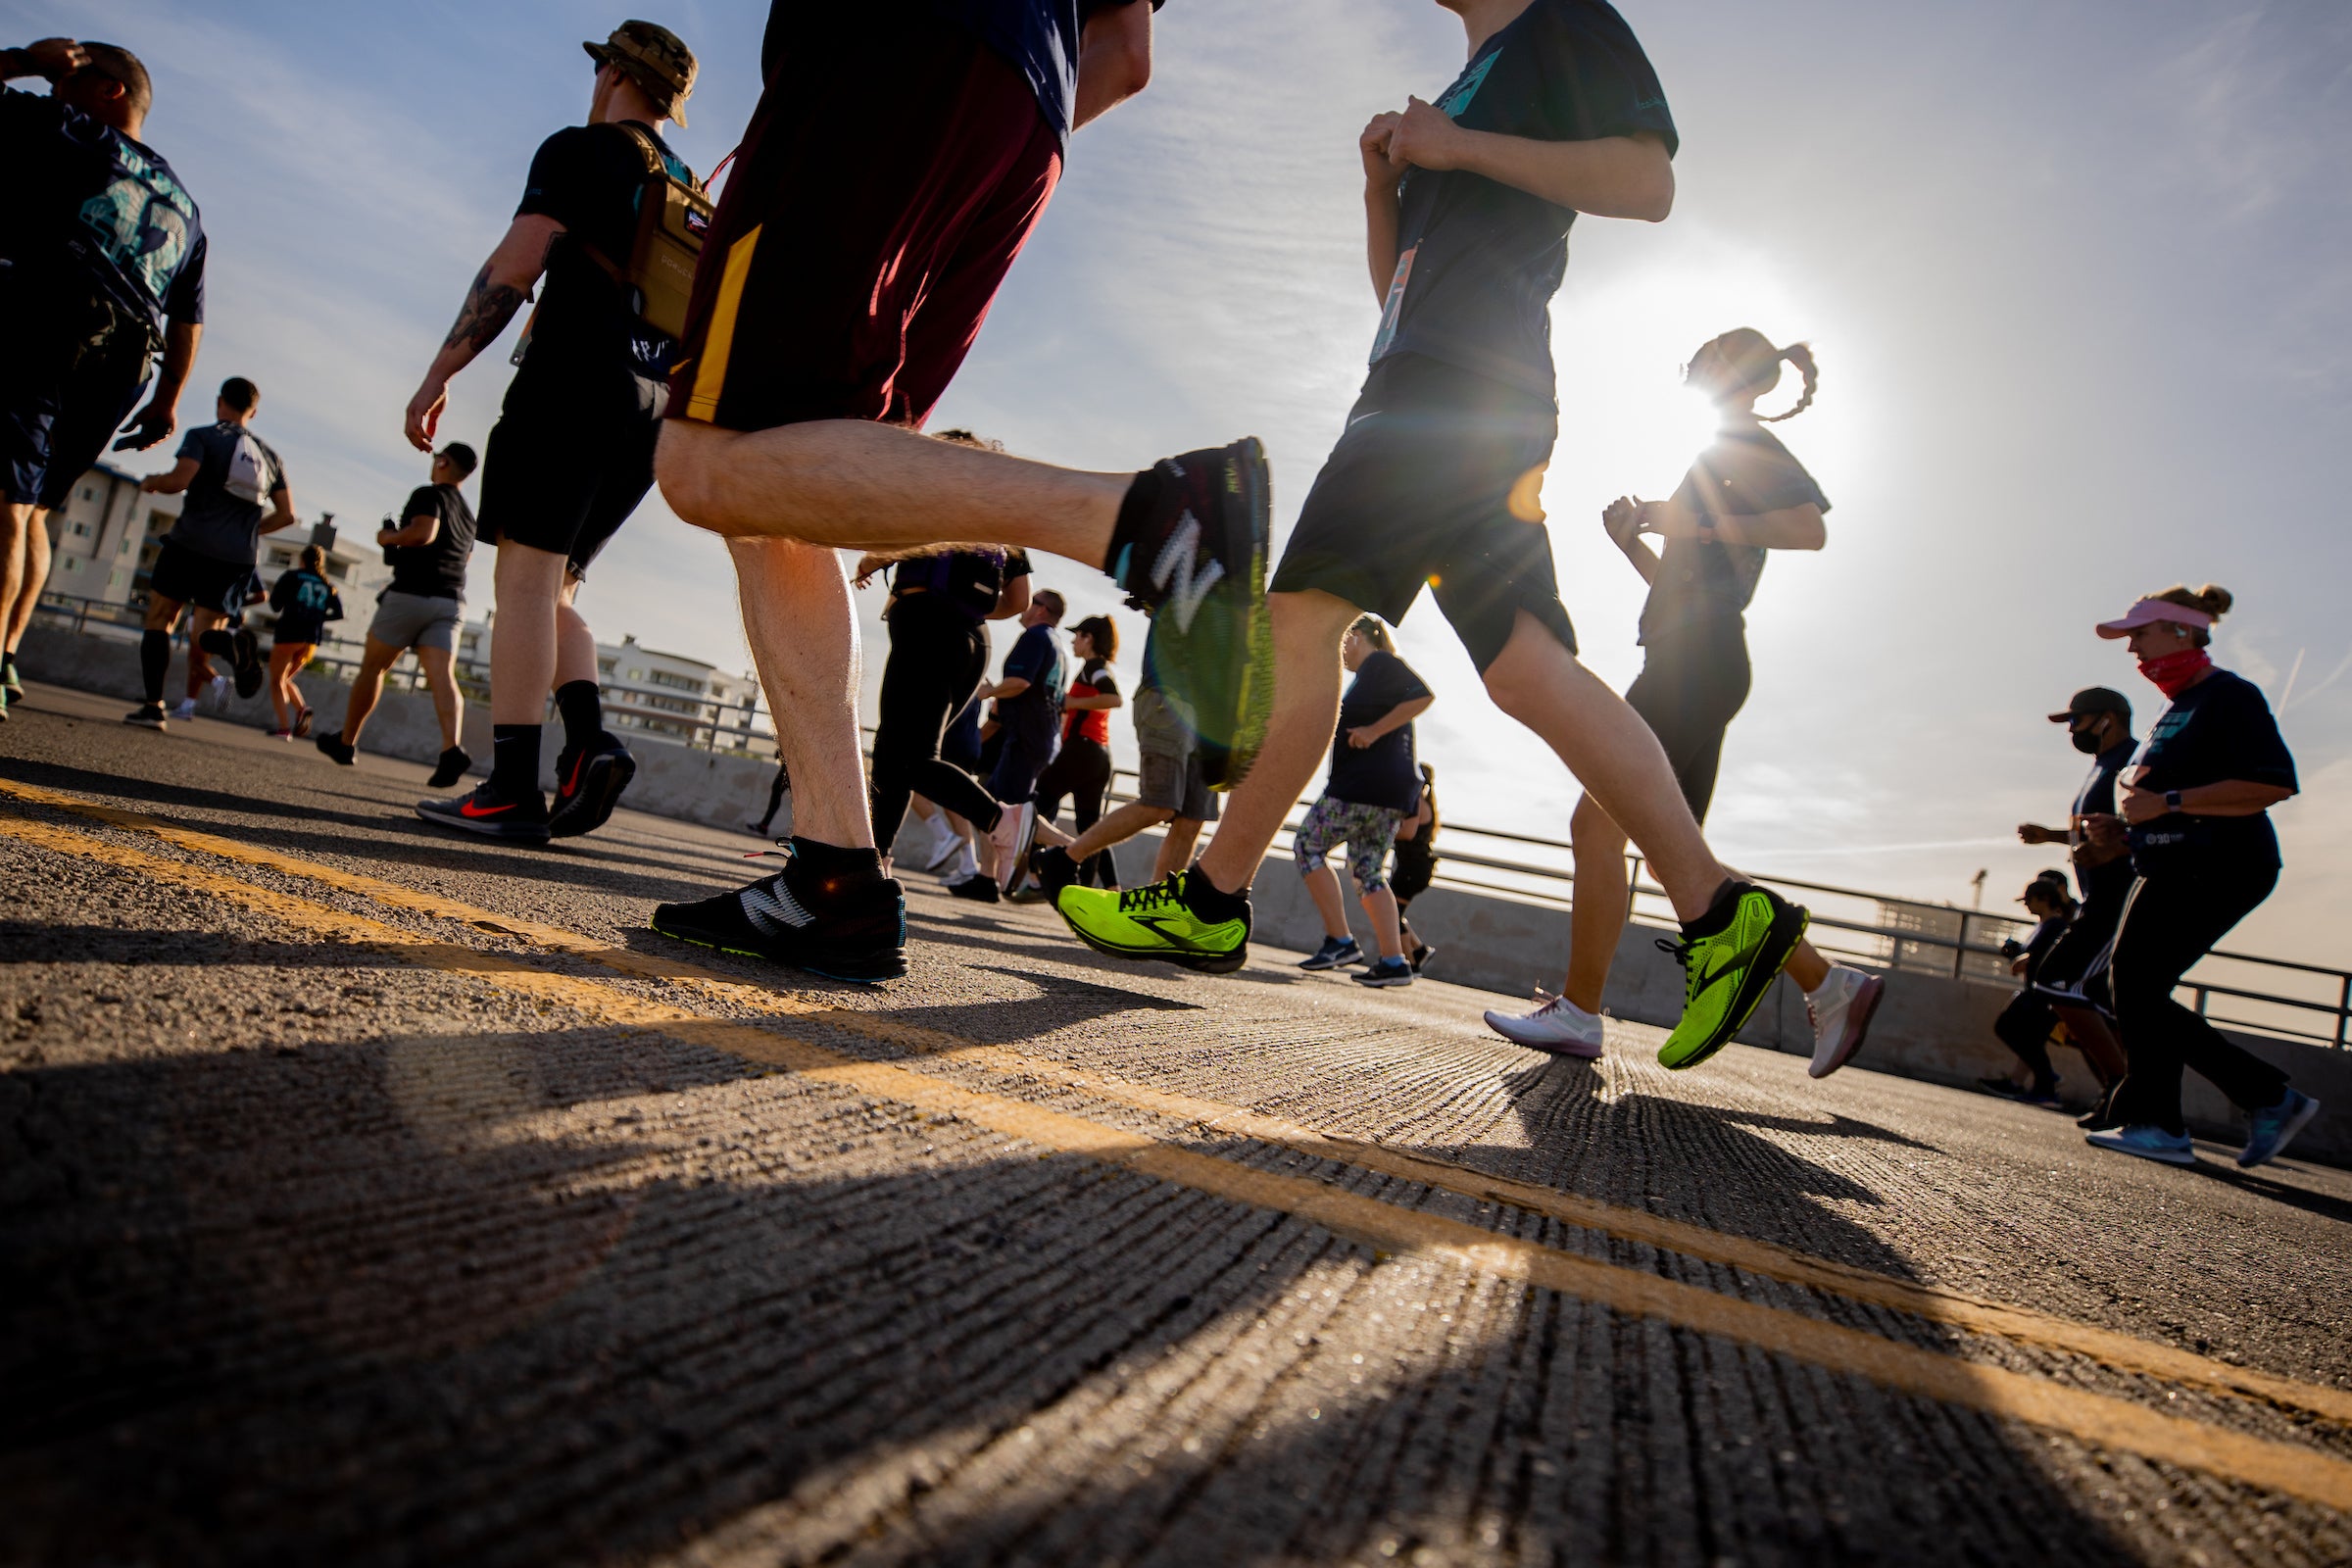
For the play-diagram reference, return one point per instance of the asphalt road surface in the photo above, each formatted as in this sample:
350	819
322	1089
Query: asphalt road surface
370	1196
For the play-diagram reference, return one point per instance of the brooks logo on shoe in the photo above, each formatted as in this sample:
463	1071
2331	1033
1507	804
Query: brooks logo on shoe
771	909
1179	565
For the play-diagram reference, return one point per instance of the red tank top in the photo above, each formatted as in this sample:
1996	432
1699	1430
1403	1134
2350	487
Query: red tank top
1088	724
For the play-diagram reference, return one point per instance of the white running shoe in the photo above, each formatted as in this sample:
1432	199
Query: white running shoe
961	865
1840	1011
186	709
1556	1025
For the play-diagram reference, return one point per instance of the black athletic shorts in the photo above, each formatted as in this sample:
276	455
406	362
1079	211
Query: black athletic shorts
182	575
62	398
564	479
1692	683
1435	481
2075	969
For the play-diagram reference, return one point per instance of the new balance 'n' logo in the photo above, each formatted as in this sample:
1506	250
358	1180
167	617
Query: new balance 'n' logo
1176	563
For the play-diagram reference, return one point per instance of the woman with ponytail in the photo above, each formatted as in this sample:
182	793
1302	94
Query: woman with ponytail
1744	496
2196	804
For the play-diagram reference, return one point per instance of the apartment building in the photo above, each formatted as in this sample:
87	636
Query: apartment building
650	693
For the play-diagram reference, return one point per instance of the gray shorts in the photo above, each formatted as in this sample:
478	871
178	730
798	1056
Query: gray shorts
1171	772
412	620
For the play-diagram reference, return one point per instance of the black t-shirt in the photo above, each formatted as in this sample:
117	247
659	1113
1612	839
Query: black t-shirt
1033	719
584	341
2221	728
85	199
972	580
1382	773
213	522
1478	261
1744	473
437	571
2110	879
304	603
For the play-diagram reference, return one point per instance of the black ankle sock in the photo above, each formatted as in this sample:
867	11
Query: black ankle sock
1137	512
514	759
832	861
580	701
1719	914
1210	901
155	658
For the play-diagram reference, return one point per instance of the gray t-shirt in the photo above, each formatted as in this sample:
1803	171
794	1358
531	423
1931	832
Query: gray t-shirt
212	522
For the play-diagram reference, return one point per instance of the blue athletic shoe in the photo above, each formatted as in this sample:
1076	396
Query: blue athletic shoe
1333	953
2148	1142
2269	1132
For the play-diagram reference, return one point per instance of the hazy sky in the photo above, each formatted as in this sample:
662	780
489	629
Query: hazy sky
2075	273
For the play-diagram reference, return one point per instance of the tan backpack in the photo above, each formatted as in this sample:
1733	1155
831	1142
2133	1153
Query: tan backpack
673	218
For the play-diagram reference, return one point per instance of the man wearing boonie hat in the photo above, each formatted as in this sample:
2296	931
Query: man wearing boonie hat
2071	977
572	452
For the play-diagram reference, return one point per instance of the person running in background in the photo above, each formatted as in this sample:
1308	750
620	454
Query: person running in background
206	564
2073	977
779	787
2025	1024
1082	770
1372	787
101	265
1028	708
1436	479
421	608
2197	799
808	371
1416	866
1746	495
305	602
1171	789
572	452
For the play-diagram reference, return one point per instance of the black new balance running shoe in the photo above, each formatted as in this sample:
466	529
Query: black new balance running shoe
517	819
588	785
1200	565
843	928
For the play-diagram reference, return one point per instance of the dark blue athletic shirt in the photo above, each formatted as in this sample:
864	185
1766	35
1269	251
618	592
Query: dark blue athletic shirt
2221	728
1039	37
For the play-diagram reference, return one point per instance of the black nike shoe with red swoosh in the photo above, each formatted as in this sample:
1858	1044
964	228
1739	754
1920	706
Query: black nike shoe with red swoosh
588	785
490	814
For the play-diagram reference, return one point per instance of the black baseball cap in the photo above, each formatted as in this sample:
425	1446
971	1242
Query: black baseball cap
2095	700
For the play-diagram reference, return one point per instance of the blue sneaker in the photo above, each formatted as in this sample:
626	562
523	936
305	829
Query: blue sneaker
2148	1142
1387	972
2269	1132
1333	953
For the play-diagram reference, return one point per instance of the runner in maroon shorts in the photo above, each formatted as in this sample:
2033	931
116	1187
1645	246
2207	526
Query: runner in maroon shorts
861	236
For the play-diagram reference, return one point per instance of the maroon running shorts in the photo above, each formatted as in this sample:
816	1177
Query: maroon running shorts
861	235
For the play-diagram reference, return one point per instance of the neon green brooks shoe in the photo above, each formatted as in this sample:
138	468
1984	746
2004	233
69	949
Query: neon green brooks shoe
1748	935
1157	922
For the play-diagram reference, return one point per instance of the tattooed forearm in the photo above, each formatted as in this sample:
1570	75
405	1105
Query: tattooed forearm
487	310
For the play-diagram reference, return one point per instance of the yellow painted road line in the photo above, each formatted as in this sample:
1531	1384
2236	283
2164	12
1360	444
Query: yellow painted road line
1951	1309
2094	1419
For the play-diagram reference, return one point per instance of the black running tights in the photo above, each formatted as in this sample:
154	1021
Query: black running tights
936	656
2025	1027
1082	771
2172	919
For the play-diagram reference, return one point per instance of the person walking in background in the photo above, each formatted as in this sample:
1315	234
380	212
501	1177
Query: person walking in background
1027	703
778	787
206	564
1746	495
421	608
2196	798
2073	977
572	452
1372	787
1416	866
2025	1024
305	602
1082	770
101	266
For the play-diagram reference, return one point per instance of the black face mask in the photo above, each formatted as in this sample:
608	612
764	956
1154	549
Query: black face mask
2087	741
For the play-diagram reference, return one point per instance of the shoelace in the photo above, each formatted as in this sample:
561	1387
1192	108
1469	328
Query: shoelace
1680	952
1158	896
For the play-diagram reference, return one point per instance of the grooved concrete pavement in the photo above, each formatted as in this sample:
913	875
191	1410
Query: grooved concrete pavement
330	1247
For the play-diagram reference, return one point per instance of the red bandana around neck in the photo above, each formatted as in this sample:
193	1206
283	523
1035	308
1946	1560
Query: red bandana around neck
2175	674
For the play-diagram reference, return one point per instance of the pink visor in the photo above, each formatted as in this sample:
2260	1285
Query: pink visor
2147	612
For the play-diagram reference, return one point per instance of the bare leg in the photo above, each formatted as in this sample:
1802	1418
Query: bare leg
2095	1038
1176	850
17	605
860	485
803	636
523	640
18	521
575	644
366	687
1307	627
1602	896
449	704
1117	827
1387	925
284	700
1323	886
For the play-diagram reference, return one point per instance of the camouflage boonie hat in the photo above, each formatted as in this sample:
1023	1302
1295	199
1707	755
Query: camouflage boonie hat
656	56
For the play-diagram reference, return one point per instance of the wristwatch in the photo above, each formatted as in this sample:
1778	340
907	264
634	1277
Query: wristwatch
2171	800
